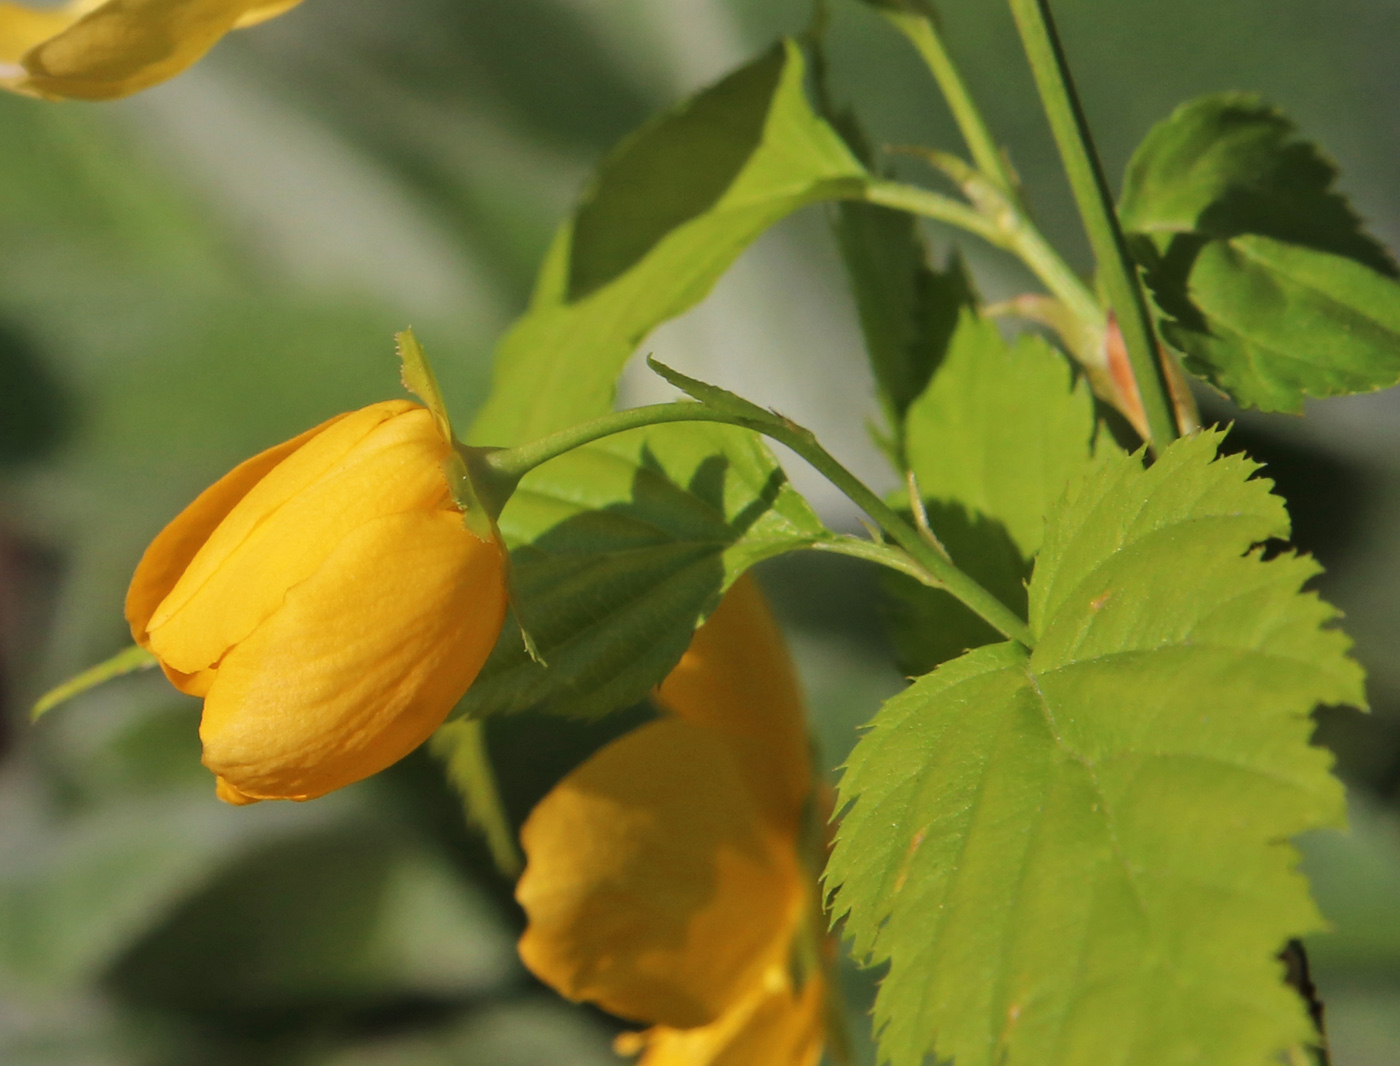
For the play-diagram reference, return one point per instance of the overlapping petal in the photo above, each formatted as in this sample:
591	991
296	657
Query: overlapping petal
654	887
328	601
665	880
102	49
385	459
361	663
775	1023
737	679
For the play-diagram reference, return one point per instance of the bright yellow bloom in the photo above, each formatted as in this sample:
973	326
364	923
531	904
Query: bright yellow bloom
102	49
665	880
326	600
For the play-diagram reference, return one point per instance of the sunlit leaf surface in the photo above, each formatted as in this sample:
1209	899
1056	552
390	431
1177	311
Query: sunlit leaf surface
1079	854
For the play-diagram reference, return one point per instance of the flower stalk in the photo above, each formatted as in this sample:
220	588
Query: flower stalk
497	472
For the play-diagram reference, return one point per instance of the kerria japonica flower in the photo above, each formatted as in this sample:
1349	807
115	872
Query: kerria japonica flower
103	49
327	600
667	878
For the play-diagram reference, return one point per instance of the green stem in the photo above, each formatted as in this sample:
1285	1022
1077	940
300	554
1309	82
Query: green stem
999	221
507	466
873	551
1091	192
503	469
932	205
962	586
923	35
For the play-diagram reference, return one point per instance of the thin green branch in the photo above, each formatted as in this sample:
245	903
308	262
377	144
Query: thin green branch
873	551
932	205
999	221
923	34
1020	236
506	466
503	469
1091	192
960	584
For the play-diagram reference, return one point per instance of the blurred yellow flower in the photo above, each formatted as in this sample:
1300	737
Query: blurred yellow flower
102	49
665	878
327	601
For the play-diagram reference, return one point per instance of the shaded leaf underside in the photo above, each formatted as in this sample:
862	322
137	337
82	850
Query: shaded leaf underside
620	550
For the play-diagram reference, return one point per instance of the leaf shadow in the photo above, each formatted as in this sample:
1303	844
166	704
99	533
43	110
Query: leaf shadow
612	595
928	626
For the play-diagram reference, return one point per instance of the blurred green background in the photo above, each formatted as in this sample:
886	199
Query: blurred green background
194	274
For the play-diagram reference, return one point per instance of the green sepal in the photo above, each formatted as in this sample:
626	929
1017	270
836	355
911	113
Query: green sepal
461	745
479	496
417	376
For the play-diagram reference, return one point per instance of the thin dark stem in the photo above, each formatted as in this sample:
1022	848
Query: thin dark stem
1091	192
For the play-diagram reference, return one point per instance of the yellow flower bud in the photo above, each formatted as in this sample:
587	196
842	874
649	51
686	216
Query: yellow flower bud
102	49
327	601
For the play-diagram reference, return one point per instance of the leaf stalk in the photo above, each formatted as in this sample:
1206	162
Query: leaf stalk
922	32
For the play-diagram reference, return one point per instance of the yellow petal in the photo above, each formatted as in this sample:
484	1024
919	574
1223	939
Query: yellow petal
170	553
21	28
98	51
772	1025
653	888
382	460
737	678
361	663
261	12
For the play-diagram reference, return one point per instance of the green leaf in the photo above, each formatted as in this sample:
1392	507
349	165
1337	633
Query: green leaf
712	396
993	439
700	147
1079	854
1001	428
1269	284
462	747
672	208
1226	165
1271	323
908	311
620	549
